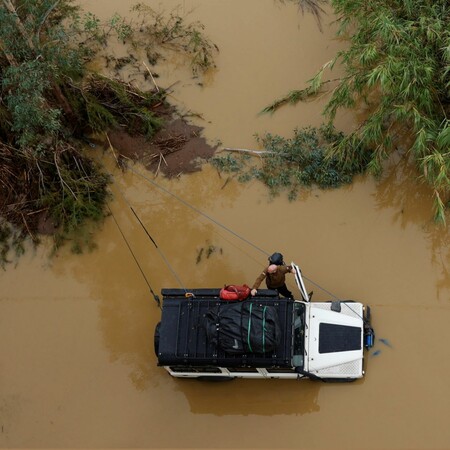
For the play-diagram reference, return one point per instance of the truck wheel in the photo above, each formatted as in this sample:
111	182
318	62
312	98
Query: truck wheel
156	338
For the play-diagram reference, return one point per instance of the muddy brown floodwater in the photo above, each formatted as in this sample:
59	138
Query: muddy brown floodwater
77	367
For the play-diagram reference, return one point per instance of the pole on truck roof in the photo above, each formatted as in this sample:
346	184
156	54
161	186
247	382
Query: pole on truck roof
300	283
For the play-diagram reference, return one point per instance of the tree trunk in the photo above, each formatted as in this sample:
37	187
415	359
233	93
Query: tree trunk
9	56
62	100
10	7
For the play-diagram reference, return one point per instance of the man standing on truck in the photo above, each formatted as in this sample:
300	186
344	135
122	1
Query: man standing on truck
275	276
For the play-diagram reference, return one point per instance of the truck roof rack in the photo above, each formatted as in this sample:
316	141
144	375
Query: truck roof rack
183	340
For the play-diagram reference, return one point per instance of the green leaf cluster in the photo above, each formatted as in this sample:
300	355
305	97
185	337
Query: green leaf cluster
172	30
110	103
75	196
292	164
32	118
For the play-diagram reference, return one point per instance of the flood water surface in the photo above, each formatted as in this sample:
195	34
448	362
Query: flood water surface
76	331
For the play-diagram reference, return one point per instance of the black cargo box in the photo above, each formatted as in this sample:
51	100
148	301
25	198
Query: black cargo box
183	340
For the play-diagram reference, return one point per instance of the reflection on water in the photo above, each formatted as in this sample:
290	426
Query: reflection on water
400	190
250	397
76	332
396	180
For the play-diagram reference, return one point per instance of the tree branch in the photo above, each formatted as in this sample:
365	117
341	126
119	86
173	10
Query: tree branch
63	183
246	150
44	19
10	7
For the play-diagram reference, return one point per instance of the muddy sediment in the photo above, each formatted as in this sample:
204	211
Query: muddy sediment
176	149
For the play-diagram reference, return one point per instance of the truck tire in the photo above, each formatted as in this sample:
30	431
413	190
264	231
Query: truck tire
156	338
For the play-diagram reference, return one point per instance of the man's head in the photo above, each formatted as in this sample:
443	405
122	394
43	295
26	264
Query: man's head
272	268
276	258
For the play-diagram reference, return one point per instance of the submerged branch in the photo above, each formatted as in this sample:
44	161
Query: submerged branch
300	95
63	183
151	76
245	150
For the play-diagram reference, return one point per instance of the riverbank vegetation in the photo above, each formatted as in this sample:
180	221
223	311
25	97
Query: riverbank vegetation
397	68
50	100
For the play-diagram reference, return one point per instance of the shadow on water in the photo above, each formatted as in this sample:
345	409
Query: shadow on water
399	190
247	397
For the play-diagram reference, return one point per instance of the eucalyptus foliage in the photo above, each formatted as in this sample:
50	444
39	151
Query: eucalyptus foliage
49	99
398	67
173	31
292	164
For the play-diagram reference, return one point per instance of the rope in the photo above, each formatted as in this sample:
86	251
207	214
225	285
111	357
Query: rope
154	242
335	297
155	296
160	252
197	210
320	287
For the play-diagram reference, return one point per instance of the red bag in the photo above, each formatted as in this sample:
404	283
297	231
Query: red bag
234	292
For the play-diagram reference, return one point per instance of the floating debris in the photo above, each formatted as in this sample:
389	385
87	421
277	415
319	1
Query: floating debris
199	255
208	251
385	342
376	352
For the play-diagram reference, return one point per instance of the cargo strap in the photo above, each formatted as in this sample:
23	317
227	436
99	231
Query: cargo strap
249	327
263	328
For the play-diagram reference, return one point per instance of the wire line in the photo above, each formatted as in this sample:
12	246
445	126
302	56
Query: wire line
153	241
155	296
198	211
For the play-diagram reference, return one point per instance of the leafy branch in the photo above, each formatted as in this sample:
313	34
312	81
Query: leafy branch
294	164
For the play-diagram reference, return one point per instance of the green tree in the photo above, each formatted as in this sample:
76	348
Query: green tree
49	100
397	66
42	168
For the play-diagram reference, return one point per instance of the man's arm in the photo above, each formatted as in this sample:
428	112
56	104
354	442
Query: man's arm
257	283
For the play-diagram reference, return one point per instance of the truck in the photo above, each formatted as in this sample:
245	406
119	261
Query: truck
262	337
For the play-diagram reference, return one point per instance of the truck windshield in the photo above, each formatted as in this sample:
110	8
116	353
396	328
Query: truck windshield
299	334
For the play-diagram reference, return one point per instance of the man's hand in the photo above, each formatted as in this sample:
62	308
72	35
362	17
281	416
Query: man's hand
253	292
